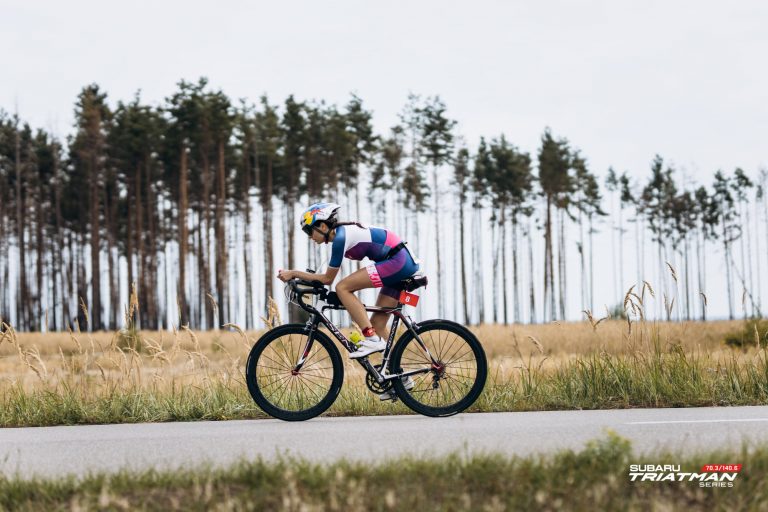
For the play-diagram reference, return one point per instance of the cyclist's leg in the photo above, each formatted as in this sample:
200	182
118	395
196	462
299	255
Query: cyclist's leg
387	299
358	280
389	273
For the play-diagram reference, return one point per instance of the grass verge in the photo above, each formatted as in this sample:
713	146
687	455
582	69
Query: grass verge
656	378
595	478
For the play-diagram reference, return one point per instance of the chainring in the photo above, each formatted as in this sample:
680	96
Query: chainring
374	386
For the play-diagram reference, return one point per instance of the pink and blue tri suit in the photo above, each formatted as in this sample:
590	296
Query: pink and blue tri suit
356	242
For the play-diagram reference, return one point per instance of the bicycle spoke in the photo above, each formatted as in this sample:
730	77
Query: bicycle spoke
455	338
464	351
275	382
282	366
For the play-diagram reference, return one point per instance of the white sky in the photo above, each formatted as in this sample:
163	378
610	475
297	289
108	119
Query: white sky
621	80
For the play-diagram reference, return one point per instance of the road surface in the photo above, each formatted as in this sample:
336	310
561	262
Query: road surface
78	450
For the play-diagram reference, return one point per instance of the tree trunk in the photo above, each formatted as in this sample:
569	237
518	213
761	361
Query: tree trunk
749	260
289	237
69	291
95	220
532	290
110	210
202	289
249	324
687	283
58	252
269	266
549	296
757	260
181	290
82	285
221	237
727	270
4	313
765	206
591	266
140	257
455	271
701	263
561	260
205	275
22	300
515	276
463	263
495	273
440	293
478	265
583	264
152	280
129	245
614	266
504	263
638	252
621	282
40	320
744	271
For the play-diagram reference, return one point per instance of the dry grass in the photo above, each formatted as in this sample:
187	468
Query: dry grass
185	357
132	375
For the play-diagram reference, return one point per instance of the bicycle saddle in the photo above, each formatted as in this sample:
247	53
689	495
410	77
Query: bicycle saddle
412	283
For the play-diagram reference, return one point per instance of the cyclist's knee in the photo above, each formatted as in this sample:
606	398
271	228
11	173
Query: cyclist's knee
343	287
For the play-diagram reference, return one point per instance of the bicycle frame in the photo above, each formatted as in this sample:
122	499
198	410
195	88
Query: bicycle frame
317	317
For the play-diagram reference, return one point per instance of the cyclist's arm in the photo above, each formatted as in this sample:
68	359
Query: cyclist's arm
326	279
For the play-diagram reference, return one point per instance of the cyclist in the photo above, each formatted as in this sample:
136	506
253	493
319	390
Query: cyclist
391	262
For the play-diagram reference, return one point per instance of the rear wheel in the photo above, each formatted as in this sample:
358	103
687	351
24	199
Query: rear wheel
283	392
456	378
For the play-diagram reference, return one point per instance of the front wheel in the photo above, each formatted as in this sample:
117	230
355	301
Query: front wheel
281	390
454	375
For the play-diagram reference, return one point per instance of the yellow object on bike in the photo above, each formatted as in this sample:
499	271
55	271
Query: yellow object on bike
356	338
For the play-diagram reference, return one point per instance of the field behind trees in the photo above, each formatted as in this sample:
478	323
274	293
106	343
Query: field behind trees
195	201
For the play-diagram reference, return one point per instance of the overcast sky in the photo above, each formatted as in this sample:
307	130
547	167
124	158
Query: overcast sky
621	80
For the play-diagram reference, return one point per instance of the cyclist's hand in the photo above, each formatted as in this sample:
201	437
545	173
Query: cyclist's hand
285	275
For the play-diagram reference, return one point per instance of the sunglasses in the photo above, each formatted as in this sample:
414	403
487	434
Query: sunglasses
307	230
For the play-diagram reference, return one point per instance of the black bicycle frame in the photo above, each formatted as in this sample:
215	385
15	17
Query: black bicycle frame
318	317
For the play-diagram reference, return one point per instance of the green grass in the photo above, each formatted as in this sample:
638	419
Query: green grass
595	478
658	378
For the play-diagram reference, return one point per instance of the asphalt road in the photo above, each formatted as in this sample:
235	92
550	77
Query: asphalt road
56	451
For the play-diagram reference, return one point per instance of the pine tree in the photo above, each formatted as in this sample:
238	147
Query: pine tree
556	186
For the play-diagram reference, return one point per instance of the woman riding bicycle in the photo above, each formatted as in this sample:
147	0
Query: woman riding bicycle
392	262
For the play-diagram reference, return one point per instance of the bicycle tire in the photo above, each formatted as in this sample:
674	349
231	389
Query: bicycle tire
257	387
414	398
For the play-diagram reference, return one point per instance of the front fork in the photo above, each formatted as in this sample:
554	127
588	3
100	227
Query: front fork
312	325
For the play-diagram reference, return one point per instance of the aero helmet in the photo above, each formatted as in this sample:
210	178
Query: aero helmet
318	212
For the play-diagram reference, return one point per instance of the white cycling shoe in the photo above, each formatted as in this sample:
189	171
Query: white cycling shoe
367	347
391	395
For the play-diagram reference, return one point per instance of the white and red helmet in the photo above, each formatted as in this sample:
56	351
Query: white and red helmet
318	212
